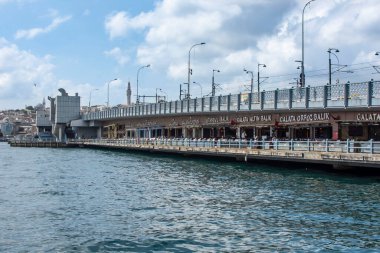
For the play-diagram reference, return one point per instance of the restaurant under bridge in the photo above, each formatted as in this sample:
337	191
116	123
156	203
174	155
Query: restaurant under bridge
335	112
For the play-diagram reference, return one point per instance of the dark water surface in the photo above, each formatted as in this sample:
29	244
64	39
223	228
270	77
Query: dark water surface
69	200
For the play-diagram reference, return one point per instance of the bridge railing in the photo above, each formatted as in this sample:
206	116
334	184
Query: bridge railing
348	146
364	94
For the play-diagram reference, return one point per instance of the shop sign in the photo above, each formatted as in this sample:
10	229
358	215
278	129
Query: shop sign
216	120
255	118
368	117
307	117
244	119
190	122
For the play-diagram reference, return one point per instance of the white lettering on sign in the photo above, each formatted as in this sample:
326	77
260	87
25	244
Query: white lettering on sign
368	116
243	119
221	119
310	117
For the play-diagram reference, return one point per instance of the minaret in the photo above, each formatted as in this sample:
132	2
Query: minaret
129	93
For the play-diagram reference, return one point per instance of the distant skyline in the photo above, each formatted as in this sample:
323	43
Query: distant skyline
82	45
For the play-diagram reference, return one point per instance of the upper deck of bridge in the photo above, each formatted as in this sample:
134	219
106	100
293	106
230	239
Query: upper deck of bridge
348	95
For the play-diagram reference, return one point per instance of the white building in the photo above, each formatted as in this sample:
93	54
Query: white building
63	109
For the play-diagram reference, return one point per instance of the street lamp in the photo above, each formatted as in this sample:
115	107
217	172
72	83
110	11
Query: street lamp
213	82
250	72
108	91
157	95
330	52
158	89
303	48
89	101
166	97
137	83
200	87
258	76
189	71
181	91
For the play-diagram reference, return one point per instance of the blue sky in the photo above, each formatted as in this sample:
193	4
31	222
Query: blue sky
81	45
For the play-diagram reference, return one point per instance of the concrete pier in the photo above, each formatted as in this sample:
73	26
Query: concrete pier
336	159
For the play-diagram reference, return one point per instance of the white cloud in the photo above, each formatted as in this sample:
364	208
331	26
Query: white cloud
242	33
117	25
33	32
19	71
118	55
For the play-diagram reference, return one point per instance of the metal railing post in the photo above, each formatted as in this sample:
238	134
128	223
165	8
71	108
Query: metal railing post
249	101
228	103
307	96
370	93
275	99
325	95
346	93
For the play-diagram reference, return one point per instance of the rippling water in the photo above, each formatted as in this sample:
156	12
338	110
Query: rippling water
68	200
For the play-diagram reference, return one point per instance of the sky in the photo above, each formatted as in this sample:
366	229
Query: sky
82	45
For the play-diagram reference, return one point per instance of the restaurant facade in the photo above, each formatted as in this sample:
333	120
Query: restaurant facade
335	124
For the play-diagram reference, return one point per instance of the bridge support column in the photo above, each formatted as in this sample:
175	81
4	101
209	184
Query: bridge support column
99	133
238	133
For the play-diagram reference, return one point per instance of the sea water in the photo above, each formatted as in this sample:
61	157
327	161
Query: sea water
85	200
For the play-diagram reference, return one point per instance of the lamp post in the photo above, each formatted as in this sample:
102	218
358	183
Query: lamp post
303	48
250	72
137	83
258	76
166	97
108	91
89	101
157	95
330	52
213	82
158	89
189	71
181	91
200	87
